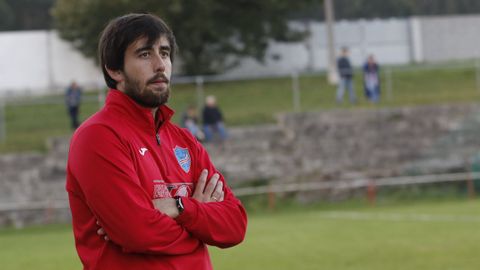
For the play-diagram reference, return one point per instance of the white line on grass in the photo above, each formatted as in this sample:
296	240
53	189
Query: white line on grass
398	217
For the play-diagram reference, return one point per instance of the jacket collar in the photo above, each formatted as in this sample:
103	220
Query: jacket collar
135	112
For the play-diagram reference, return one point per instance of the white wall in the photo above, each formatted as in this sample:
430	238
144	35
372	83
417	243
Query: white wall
448	38
68	64
388	40
24	61
39	61
281	58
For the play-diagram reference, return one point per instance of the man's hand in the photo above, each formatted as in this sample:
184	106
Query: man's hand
168	206
211	192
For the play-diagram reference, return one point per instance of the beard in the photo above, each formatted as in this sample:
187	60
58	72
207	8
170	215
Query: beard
143	95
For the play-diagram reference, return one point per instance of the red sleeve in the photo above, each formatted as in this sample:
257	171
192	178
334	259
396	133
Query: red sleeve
222	224
104	170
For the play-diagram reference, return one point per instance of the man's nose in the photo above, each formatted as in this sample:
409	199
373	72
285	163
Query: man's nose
159	63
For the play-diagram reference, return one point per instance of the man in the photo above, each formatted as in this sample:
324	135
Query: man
346	74
213	120
73	97
371	79
143	183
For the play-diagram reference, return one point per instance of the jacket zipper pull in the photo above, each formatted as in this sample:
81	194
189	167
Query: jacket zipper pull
158	138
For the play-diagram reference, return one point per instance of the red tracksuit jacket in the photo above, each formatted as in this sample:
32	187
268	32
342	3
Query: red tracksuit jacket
119	161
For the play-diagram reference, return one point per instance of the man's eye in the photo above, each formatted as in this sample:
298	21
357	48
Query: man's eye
145	54
165	54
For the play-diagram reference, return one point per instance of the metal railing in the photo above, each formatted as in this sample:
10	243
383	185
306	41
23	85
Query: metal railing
356	183
293	187
389	79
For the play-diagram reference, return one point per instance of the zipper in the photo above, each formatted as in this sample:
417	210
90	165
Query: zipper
161	156
158	138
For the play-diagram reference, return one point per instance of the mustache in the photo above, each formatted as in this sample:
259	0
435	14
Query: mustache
158	77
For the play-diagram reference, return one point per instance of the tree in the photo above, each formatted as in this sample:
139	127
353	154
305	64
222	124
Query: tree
357	9
6	16
25	14
211	34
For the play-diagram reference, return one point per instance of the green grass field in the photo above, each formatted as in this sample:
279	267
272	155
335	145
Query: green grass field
422	235
252	102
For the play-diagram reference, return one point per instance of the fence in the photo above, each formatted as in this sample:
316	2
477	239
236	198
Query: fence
389	76
469	72
370	185
47	208
44	115
464	76
264	96
3	124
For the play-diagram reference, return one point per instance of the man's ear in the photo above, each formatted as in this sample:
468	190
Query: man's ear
117	75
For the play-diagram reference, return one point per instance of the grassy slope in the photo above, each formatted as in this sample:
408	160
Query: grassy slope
301	239
253	102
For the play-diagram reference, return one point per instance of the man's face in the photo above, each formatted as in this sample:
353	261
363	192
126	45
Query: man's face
146	72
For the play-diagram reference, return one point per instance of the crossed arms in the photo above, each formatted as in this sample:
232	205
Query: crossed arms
107	184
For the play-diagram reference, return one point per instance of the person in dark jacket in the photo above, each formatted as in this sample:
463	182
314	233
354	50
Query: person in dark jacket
213	120
371	79
345	71
73	97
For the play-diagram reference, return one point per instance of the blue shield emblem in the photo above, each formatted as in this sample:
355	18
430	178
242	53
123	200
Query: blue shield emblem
183	158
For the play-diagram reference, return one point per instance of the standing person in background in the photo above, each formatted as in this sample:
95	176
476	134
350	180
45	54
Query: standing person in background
73	96
213	120
143	192
345	71
371	79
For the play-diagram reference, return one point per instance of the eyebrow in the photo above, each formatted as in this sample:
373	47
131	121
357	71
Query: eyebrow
165	48
150	46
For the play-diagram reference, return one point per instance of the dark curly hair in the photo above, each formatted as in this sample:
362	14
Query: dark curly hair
125	30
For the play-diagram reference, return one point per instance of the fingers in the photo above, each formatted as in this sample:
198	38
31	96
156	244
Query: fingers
211	186
218	194
222	196
209	190
200	184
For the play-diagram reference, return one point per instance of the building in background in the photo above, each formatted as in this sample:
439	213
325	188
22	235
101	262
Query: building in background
40	62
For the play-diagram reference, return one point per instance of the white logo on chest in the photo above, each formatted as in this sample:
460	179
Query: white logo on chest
142	151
